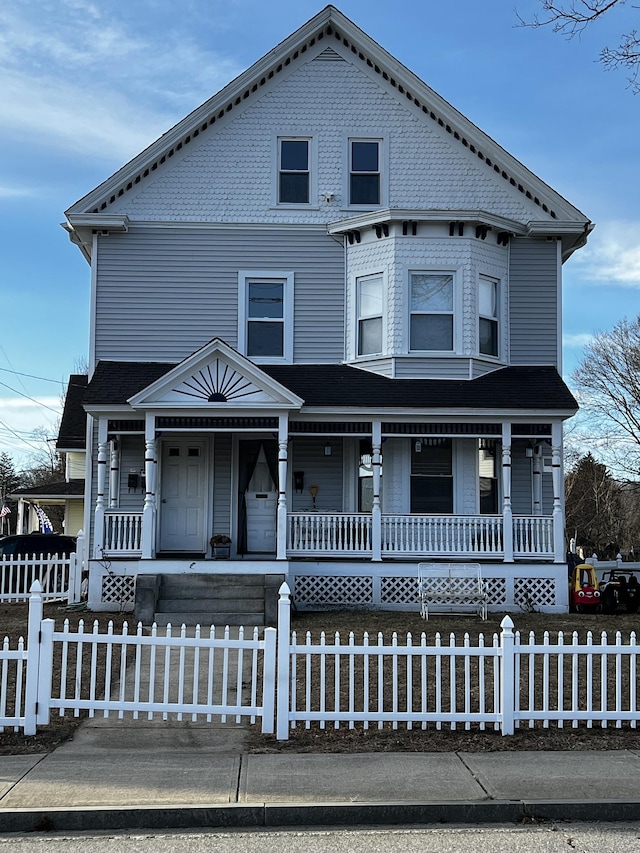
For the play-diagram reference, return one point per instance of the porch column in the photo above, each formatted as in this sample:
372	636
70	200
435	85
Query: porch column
114	475
507	511
98	530
149	508
376	510
283	438
558	493
537	467
20	516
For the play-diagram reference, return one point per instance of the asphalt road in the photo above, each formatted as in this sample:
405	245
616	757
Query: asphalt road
546	838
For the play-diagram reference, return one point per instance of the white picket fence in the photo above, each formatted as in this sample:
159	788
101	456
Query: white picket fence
59	577
504	682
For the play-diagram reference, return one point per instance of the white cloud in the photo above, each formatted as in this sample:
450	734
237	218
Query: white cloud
612	254
88	83
17	192
576	340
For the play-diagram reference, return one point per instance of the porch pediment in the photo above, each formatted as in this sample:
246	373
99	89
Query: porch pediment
215	377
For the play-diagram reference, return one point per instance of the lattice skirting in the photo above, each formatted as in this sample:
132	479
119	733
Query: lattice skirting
118	589
401	592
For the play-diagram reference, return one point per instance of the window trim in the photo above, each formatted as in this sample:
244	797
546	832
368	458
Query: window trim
245	277
312	171
497	319
383	171
455	312
358	280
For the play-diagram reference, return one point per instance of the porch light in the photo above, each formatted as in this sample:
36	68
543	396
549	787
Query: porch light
328	450
418	447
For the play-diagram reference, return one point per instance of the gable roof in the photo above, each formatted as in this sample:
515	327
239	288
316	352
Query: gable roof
337	385
332	28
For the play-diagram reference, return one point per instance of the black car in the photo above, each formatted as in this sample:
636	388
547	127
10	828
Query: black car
28	544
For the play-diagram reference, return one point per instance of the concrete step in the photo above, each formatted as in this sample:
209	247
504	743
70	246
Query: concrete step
241	605
206	618
225	593
210	586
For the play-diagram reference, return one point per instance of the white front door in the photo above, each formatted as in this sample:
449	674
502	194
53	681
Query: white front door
261	498
183	494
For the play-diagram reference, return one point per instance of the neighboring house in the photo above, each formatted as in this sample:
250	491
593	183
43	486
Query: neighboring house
71	443
326	322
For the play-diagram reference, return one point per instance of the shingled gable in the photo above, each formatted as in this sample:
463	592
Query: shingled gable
215	376
331	30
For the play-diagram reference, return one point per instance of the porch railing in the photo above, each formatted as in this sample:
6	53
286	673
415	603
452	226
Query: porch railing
442	535
123	533
533	536
334	533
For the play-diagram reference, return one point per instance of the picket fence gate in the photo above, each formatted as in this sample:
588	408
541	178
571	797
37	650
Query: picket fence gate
506	682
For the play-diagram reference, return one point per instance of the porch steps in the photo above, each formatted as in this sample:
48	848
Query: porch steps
206	600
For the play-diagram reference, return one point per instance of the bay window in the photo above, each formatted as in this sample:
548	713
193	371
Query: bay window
431	320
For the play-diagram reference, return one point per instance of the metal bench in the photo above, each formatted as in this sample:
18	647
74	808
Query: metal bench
451	588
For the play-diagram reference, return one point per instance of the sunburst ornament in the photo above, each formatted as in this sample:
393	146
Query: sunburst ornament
217	383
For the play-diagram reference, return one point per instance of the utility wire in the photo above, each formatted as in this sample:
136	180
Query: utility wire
44	405
31	376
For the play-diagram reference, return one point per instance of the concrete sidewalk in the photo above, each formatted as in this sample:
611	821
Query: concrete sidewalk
132	774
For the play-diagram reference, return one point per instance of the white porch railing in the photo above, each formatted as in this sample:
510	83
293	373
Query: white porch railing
123	533
329	533
442	535
533	536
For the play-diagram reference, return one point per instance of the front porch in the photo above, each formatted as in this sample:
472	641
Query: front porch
339	535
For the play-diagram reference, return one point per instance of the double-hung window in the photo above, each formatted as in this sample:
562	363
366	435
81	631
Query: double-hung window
488	476
364	171
431	321
265	315
488	316
293	171
432	475
369	299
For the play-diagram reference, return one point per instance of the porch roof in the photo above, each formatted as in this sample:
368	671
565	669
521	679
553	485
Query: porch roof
338	385
68	489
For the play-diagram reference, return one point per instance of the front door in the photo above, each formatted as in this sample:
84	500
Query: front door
261	498
183	495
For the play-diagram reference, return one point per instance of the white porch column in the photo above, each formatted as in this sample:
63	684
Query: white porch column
20	516
283	450
507	510
558	493
98	530
376	511
149	508
114	475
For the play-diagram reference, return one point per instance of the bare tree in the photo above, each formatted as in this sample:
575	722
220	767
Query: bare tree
608	384
572	17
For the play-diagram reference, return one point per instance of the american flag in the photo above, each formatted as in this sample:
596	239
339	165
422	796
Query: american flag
43	518
5	511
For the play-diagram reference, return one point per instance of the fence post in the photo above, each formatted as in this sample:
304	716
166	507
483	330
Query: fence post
75	570
33	658
507	670
45	672
269	680
284	641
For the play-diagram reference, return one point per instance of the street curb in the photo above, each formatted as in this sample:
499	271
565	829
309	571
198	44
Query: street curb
271	815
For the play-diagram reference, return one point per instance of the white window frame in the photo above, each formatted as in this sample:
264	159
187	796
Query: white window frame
245	277
358	281
383	171
312	165
496	319
456	311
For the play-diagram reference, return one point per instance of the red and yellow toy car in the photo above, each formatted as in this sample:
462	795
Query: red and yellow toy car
584	592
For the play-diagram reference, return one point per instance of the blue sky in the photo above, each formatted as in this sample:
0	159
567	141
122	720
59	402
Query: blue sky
84	86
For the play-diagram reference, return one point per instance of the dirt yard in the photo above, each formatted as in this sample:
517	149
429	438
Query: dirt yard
13	624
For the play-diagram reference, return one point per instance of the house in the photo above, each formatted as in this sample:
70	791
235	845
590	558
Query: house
68	493
326	324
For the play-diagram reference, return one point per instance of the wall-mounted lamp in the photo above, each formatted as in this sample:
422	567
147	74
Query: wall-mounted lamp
328	450
418	446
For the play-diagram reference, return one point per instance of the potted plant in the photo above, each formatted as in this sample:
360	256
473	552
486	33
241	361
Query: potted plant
221	546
